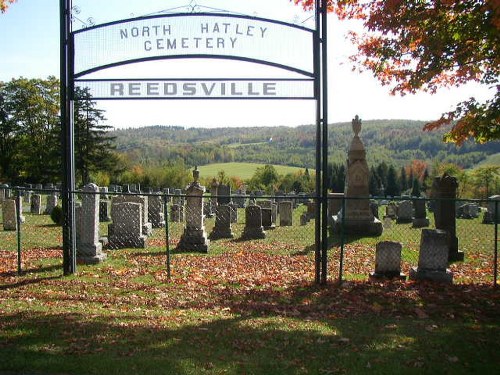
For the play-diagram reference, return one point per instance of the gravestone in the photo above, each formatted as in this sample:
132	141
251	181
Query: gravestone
253	223
433	257
304	219
286	213
178	198
213	192
9	215
88	247
222	228
156	211
391	211
52	201
420	220
143	200
177	213
194	237
358	218
267	218
444	190
334	203
489	215
224	194
404	212
388	261
36	204
127	227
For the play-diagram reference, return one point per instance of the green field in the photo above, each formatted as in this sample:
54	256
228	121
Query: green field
242	170
490	160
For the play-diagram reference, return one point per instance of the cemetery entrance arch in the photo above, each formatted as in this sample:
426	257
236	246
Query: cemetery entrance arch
221	36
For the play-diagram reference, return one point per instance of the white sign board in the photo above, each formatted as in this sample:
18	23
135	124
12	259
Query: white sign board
194	35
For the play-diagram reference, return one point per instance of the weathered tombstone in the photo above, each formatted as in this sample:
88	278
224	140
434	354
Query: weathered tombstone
267	218
404	212
388	261
88	247
224	194
391	210
36	204
52	201
177	213
471	211
253	223
444	190
358	218
433	257
194	237
207	208
126	229
286	213
9	215
222	228
493	204
156	211
420	220
143	200
274	213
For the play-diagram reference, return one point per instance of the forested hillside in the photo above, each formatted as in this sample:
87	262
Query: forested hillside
396	142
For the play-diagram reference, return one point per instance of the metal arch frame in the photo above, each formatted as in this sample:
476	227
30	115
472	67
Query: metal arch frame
67	78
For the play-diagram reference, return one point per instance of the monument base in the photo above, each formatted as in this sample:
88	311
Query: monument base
443	276
363	227
420	223
253	233
219	233
194	240
90	254
123	242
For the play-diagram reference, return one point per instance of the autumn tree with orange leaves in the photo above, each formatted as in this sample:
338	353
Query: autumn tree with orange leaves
4	4
420	45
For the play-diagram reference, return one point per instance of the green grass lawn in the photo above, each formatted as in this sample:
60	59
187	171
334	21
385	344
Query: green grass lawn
247	307
242	170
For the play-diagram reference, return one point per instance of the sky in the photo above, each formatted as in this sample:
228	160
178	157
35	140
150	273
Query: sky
29	47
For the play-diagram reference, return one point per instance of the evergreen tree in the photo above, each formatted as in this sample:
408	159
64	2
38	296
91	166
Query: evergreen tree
93	146
374	182
415	189
392	187
403	180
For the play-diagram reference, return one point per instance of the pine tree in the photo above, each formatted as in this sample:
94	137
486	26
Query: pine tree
415	189
93	146
392	188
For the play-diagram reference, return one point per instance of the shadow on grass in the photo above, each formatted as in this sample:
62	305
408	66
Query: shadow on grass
266	338
25	282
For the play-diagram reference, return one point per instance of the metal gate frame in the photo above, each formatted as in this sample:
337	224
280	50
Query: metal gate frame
67	78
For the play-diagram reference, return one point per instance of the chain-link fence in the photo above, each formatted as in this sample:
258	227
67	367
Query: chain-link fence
375	237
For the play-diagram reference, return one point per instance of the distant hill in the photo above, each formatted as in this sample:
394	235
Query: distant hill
396	142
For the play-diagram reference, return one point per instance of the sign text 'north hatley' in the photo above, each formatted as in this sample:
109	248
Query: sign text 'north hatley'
212	35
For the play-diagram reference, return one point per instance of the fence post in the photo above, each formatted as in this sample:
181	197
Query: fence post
18	230
341	262
167	234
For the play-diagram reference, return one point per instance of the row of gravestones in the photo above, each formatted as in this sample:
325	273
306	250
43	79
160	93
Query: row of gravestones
433	259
